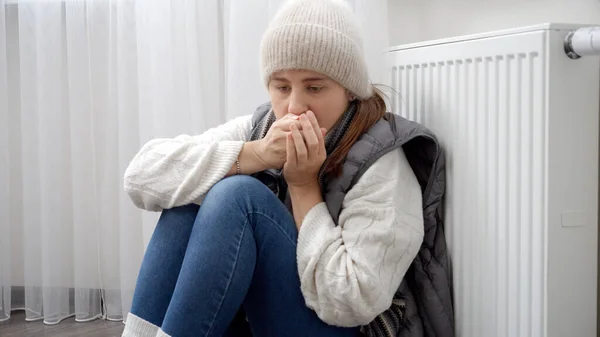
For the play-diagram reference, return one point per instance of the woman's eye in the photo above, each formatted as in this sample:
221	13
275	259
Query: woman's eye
314	89
283	88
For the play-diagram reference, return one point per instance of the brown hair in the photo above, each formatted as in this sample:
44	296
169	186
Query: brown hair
368	112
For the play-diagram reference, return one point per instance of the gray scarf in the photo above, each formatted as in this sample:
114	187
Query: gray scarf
273	178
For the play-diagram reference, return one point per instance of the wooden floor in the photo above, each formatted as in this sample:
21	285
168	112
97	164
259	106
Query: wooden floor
16	326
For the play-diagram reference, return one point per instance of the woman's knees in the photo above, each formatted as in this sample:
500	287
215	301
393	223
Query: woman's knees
237	188
239	182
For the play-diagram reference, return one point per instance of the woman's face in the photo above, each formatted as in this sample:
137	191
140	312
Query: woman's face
297	91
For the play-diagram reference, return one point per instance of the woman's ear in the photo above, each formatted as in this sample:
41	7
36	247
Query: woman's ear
350	96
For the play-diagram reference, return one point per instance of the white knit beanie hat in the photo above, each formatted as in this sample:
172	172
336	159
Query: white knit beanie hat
318	35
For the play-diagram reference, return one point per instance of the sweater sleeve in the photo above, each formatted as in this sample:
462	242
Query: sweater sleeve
349	273
171	172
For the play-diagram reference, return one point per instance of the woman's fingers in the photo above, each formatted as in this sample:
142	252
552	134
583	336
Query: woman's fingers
318	130
291	150
300	147
285	123
311	136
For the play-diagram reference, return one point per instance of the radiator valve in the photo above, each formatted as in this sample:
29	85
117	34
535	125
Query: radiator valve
582	42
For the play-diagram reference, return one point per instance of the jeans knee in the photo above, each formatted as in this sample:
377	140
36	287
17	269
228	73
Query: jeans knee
248	200
238	189
238	185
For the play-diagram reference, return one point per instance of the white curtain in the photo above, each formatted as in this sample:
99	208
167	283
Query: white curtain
83	84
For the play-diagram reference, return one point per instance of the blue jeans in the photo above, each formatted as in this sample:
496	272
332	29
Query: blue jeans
235	254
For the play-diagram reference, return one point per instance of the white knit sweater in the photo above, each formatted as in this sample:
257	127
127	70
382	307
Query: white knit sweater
348	273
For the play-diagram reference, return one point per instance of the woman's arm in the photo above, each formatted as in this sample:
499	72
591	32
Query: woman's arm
170	172
349	273
249	160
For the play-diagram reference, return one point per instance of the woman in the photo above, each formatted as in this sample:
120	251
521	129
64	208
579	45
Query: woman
226	244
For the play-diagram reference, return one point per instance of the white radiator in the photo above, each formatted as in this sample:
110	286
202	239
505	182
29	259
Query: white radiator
519	122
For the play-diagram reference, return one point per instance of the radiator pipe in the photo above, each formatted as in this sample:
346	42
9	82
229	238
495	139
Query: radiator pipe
583	42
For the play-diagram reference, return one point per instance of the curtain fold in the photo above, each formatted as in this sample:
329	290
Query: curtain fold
85	83
5	251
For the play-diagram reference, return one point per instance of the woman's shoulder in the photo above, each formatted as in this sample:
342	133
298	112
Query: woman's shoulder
390	167
388	184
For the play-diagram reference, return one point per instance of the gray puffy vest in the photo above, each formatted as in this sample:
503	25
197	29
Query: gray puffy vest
427	286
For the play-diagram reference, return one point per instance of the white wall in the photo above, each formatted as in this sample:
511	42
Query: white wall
420	20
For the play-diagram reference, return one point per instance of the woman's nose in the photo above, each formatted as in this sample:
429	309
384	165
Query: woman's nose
296	105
